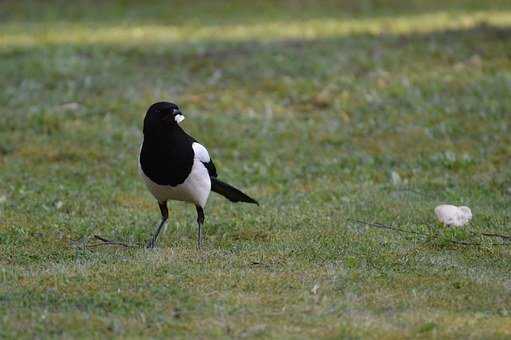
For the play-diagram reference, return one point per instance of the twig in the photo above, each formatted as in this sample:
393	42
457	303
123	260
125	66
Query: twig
384	226
504	237
109	242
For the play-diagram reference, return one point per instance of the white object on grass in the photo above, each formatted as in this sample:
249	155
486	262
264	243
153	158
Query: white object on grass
452	215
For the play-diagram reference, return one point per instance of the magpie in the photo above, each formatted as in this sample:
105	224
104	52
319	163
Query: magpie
175	167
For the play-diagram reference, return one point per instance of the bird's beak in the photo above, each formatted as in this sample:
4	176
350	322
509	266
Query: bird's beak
179	118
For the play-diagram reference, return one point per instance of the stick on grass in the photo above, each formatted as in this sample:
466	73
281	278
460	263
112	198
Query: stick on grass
388	227
107	242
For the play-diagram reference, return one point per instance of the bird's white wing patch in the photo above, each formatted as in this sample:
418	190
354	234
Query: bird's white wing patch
200	152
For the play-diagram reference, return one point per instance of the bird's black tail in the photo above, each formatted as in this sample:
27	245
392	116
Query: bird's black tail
230	192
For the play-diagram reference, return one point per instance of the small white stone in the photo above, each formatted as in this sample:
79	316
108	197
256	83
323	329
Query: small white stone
396	179
70	106
451	215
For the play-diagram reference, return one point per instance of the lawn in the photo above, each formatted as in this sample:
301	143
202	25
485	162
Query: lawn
349	110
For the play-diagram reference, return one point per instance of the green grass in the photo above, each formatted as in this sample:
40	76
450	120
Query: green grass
371	110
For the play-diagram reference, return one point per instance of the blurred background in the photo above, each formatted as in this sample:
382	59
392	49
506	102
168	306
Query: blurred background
371	109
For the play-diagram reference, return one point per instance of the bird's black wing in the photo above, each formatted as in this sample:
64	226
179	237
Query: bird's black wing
211	168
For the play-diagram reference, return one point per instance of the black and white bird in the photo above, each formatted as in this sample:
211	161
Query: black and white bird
175	167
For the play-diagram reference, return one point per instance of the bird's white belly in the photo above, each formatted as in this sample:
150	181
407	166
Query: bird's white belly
194	189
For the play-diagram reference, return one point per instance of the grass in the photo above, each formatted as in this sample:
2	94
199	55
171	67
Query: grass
366	110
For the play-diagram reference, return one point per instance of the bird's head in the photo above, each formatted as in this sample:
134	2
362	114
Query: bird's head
161	115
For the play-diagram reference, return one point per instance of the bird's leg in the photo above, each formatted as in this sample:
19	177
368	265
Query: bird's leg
200	222
164	217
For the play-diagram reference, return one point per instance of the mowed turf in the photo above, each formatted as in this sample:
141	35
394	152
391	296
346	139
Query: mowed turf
368	110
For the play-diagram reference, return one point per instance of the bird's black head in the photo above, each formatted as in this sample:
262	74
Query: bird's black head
160	116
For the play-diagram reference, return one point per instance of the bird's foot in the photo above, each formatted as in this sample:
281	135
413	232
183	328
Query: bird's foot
151	244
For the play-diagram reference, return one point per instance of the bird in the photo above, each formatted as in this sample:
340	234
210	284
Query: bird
176	167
